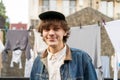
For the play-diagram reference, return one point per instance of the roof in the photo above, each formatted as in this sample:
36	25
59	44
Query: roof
86	16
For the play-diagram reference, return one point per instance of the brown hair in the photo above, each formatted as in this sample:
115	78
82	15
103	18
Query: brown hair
44	24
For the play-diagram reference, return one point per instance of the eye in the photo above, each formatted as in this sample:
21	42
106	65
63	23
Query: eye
56	28
46	29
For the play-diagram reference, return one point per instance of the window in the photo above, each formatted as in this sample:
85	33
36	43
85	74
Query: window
65	7
49	5
53	4
110	9
72	6
106	8
81	2
45	6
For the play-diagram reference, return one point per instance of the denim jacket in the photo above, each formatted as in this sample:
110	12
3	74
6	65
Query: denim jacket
77	66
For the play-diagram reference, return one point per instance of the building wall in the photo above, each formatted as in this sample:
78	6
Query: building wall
35	8
117	10
36	5
18	26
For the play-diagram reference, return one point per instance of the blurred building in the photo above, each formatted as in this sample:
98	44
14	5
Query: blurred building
18	26
108	7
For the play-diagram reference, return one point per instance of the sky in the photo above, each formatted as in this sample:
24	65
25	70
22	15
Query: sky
16	10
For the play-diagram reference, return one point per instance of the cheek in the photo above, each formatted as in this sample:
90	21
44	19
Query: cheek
44	34
44	38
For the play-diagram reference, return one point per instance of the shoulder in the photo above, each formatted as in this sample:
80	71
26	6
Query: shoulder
37	59
80	53
76	51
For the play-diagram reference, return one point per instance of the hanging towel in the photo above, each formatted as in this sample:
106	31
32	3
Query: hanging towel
88	39
113	29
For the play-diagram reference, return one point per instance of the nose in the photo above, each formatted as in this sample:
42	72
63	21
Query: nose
51	32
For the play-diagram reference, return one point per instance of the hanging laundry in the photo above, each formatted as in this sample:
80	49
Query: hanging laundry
39	46
16	57
1	46
12	37
105	66
88	38
29	64
113	29
1	50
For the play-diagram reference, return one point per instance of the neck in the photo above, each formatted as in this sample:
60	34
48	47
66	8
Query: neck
55	49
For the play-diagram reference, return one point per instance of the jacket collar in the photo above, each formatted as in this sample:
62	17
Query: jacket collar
67	58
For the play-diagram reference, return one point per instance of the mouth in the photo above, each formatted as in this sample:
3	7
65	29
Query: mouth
51	39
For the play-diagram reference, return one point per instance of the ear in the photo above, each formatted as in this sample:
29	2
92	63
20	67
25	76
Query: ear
65	34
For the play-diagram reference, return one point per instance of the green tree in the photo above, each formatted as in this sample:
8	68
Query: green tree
3	15
2	9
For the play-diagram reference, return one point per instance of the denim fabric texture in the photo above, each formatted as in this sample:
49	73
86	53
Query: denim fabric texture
80	67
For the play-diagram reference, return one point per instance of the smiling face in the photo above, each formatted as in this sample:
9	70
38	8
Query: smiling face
53	35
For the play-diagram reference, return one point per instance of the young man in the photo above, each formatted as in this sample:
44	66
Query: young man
58	61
